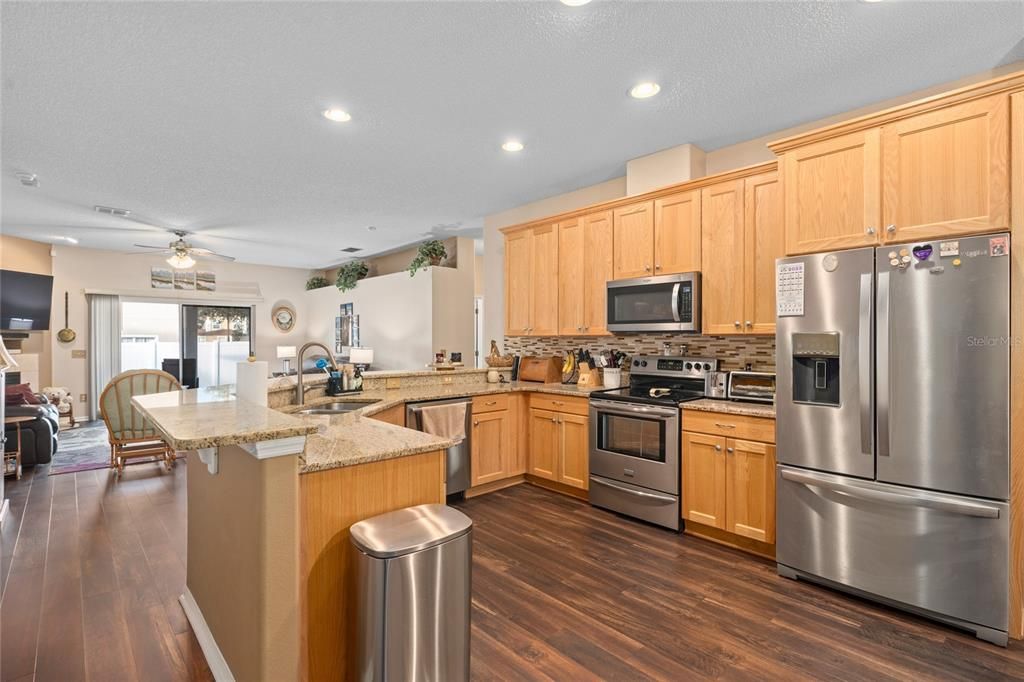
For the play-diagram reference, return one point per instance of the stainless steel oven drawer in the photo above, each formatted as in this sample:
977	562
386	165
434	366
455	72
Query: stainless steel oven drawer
946	555
661	476
635	501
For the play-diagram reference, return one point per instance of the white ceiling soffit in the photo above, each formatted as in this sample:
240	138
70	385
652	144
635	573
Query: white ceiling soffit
206	116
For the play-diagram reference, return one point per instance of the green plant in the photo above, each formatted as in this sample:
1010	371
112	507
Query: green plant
431	252
350	273
316	282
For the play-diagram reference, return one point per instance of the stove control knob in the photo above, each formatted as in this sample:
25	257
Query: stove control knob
643	363
636	363
688	365
707	366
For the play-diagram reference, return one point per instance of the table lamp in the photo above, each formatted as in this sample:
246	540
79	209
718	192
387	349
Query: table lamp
285	354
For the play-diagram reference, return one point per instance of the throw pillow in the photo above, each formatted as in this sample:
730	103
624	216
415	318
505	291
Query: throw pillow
23	390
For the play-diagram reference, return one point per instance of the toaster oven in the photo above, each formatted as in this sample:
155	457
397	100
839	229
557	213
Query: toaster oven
752	386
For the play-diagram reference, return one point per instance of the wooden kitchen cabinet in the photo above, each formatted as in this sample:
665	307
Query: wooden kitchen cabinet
677	233
704	499
531	281
946	172
598	270
544	444
750	489
634	240
584	268
763	243
559	446
491	457
833	193
729	480
722	233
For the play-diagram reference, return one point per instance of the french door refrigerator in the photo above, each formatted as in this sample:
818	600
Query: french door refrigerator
893	426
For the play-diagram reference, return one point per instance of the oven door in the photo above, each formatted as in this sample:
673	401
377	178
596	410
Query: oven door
655	304
634	443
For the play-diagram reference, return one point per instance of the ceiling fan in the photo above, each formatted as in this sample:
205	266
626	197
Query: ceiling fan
184	255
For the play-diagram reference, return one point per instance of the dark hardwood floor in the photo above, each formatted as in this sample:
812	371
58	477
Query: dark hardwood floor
92	569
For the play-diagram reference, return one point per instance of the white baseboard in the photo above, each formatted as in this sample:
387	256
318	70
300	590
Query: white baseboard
214	658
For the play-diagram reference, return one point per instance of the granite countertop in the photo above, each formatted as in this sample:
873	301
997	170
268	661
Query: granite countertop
210	417
354	438
731	407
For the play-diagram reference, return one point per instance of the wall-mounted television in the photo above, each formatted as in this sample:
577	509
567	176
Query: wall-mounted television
25	301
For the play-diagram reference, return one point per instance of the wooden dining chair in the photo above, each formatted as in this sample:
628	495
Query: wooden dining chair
130	434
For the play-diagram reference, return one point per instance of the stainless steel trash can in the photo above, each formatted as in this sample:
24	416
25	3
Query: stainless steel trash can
413	594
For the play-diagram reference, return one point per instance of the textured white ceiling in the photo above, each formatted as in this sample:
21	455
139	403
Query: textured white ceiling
205	116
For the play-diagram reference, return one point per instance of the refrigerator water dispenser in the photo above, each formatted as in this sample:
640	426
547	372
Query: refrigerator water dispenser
816	368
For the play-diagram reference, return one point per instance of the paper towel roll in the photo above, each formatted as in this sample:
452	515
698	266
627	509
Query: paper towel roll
251	383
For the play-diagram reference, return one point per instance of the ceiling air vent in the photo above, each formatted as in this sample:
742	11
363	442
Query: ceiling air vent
110	210
351	249
28	179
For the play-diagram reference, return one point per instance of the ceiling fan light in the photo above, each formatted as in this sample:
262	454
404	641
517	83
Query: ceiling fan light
181	261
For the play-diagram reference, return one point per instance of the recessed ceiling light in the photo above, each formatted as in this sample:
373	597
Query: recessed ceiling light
644	90
512	146
337	115
871	1
110	210
575	3
371	228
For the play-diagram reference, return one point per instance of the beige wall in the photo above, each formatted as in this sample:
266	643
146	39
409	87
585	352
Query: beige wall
24	255
452	327
243	560
718	161
76	269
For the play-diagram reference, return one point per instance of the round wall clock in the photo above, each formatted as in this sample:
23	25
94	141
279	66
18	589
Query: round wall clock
283	317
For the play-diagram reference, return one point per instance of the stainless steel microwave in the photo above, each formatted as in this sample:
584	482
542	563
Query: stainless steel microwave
666	303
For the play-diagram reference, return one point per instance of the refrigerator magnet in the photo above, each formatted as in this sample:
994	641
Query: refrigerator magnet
949	249
923	252
997	246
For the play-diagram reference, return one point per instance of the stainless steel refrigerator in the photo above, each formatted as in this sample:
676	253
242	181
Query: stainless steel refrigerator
893	426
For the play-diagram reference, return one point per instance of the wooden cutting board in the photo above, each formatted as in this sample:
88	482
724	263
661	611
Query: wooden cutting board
542	370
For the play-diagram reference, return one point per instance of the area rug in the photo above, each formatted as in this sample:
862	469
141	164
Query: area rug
82	448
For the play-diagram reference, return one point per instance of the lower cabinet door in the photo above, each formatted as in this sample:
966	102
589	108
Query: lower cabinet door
491	447
704	479
750	489
544	442
575	451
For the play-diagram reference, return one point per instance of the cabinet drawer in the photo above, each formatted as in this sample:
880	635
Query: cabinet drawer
489	403
558	403
760	429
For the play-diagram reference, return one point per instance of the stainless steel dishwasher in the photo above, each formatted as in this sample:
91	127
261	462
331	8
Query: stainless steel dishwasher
457	461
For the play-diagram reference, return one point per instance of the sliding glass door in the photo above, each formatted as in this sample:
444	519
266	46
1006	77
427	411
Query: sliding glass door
213	340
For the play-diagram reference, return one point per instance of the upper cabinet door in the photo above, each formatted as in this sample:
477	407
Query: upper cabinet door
634	240
677	233
544	282
764	242
833	193
722	258
570	277
518	264
947	172
598	269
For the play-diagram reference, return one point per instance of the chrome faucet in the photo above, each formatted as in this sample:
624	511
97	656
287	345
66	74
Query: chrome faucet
300	390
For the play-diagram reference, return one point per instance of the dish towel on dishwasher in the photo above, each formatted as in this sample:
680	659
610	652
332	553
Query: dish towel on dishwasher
446	421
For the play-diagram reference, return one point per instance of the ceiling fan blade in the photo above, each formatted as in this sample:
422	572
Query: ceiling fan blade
146	246
206	254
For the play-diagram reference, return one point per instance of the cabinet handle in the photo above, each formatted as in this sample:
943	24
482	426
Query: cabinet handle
749	323
725	426
657	266
647	268
492	402
554	421
890	229
476	423
729	450
718	448
737	323
870	230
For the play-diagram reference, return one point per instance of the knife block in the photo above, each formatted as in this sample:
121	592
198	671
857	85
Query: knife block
589	378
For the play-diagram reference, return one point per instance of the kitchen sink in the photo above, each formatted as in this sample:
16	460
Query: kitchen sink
339	407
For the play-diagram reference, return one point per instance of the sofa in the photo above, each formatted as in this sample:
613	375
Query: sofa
39	436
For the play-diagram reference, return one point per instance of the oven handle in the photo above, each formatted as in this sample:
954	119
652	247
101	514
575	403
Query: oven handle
638	493
628	410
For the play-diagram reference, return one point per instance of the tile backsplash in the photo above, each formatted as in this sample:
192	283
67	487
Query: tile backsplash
733	352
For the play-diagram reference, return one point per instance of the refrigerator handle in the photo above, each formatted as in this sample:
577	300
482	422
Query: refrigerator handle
864	362
882	364
925	501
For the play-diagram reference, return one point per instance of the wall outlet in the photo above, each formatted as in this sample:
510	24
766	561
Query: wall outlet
82	397
78	354
447	380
